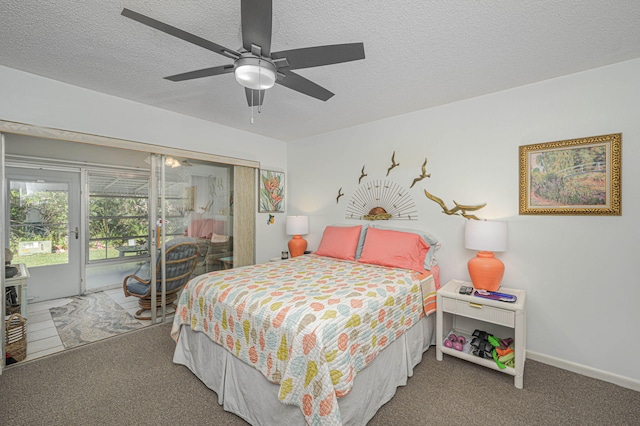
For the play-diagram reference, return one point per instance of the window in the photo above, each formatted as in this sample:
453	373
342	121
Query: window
39	221
118	216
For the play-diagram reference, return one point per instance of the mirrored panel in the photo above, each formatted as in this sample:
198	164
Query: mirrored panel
199	204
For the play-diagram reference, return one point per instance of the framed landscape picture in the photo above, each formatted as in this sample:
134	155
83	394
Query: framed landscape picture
271	191
572	177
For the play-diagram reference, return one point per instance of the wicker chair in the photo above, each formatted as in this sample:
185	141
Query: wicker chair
181	258
202	264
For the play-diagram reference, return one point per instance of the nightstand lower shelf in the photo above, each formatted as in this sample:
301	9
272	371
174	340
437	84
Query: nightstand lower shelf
489	363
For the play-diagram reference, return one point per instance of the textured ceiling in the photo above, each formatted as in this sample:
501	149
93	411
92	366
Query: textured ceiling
419	53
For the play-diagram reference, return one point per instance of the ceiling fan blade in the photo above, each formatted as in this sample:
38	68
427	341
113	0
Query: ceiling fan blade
300	84
176	32
256	25
321	55
206	72
254	97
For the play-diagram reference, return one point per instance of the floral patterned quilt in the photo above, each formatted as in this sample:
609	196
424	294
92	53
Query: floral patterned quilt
309	323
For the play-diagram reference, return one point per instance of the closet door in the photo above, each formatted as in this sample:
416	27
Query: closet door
244	216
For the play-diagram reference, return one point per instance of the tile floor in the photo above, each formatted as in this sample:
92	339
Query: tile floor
42	335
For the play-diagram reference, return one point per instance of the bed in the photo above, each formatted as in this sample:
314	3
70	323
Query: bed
322	338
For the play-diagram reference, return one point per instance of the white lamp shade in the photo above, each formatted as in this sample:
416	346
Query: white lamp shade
483	235
297	225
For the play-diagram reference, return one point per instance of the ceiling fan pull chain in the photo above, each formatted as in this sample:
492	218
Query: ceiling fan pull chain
252	107
259	85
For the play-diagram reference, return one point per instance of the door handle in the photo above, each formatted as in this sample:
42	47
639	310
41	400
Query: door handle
76	232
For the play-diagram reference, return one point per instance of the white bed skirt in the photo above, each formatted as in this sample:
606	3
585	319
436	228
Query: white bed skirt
243	390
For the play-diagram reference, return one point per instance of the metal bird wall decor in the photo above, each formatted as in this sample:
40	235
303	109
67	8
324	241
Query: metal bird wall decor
393	163
383	200
422	175
459	209
362	175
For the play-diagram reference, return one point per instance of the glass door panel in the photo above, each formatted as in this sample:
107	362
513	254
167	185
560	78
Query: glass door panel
44	231
208	216
39	222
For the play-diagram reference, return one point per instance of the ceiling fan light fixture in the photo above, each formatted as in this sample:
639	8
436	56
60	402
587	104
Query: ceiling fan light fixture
255	73
171	162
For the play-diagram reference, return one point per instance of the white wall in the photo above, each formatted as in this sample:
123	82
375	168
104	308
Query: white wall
581	273
35	100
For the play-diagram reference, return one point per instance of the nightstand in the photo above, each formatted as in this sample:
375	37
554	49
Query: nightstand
461	314
20	282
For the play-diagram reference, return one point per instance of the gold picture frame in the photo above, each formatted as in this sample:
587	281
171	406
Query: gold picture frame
572	177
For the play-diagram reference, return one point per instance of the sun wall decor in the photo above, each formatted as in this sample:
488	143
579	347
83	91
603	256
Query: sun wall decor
381	200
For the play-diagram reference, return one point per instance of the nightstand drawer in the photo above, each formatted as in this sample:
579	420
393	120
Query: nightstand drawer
479	311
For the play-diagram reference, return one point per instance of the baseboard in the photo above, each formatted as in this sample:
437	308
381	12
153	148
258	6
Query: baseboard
605	376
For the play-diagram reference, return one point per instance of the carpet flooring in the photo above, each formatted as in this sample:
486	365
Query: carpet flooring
131	380
90	318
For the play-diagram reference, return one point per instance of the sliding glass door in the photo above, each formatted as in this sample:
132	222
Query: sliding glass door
198	204
195	203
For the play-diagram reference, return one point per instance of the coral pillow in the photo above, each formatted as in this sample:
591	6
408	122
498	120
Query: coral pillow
396	249
339	242
363	233
429	260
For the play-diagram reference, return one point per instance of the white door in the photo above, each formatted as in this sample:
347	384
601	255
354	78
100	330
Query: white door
44	230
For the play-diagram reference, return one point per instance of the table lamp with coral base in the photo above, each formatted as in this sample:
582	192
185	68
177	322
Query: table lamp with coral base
485	270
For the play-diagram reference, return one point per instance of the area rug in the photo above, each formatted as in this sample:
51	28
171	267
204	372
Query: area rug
90	318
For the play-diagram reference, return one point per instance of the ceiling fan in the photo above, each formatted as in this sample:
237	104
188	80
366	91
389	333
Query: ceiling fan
254	65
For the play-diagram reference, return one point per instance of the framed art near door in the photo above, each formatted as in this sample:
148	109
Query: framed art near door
271	191
572	177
